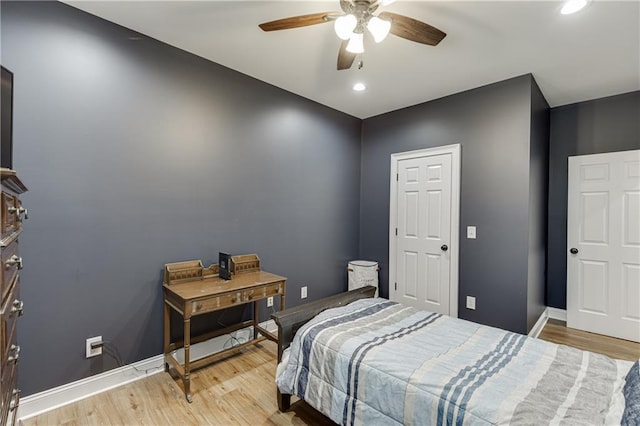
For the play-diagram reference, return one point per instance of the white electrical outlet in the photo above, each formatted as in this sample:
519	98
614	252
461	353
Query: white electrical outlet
471	302
303	292
269	302
93	352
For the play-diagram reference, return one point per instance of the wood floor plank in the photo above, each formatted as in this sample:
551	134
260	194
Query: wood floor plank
557	331
241	390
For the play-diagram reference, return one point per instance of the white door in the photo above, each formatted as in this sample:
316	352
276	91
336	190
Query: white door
423	243
603	244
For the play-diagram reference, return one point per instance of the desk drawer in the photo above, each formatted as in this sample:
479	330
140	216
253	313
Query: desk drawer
215	303
261	292
11	263
274	289
253	294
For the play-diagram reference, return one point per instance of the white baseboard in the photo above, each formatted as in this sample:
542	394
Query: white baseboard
559	314
60	396
539	325
51	399
549	312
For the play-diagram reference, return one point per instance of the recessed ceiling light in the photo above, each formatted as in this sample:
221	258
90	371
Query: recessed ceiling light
359	87
573	6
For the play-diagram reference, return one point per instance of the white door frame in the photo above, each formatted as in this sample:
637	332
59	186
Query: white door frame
454	245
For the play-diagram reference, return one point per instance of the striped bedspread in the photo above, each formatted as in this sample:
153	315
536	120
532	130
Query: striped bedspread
376	362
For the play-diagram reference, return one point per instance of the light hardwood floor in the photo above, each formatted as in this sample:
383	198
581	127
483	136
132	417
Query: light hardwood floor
241	390
557	331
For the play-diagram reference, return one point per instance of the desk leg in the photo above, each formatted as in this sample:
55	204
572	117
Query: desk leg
167	331
256	316
282	301
187	356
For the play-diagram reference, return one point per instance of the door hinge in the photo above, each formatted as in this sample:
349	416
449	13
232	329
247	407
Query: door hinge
397	176
396	232
396	286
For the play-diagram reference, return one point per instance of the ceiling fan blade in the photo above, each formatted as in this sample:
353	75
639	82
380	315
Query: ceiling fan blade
412	29
299	21
345	58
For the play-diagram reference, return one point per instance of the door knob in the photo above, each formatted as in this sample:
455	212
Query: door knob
574	250
444	247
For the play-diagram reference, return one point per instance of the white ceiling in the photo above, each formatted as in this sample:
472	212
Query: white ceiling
591	54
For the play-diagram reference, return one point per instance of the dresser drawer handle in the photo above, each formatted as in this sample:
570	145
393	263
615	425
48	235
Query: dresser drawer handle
16	353
18	306
13	260
23	211
13	403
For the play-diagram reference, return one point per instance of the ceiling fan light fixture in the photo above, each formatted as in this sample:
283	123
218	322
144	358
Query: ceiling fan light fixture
379	28
345	25
573	6
356	43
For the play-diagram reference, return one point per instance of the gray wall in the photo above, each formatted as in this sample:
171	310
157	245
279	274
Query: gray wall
602	125
538	193
137	154
492	124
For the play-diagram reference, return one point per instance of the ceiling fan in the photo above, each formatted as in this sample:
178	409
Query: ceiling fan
356	16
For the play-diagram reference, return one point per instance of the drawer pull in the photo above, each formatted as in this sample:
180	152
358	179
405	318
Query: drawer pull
19	211
16	353
13	403
18	306
13	260
22	211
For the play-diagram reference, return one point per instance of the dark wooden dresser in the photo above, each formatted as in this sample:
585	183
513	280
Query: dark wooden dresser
13	213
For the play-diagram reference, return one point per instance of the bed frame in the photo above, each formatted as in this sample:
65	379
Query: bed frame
290	320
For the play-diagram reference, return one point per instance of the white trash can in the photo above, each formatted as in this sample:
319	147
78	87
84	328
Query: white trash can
363	273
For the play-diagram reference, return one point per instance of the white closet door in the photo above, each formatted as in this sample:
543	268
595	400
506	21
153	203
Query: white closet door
424	232
603	242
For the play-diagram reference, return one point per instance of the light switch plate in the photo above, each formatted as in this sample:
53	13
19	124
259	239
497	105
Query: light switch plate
471	302
471	232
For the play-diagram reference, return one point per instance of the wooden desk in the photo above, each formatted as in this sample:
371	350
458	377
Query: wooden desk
211	294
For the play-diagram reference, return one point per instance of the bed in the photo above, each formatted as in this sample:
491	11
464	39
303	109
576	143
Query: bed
364	360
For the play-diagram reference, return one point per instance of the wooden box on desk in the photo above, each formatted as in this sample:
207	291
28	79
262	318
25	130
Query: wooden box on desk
179	272
191	270
245	263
